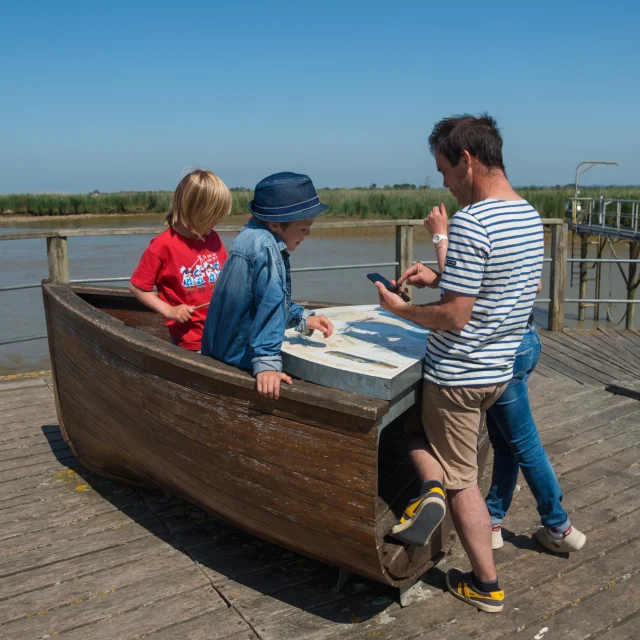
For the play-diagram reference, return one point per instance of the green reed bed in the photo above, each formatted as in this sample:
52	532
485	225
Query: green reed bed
47	204
395	203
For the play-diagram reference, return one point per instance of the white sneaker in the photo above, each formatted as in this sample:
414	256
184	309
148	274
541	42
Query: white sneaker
496	537
572	540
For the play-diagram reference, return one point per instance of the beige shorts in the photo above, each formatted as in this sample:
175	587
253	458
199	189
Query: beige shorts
452	418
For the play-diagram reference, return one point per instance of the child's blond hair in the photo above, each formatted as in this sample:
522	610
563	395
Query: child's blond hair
199	202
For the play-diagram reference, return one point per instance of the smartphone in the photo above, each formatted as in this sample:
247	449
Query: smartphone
376	277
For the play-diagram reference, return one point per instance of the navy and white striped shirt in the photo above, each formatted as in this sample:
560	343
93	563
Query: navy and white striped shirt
495	254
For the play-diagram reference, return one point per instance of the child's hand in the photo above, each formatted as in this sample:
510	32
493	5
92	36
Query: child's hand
181	313
268	383
321	323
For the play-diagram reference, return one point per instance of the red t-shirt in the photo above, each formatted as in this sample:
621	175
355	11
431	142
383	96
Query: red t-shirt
184	271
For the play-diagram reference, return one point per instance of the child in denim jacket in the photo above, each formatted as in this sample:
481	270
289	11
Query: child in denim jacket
251	306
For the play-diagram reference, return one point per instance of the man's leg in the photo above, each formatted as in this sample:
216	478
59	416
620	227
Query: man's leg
424	513
424	462
455	444
471	520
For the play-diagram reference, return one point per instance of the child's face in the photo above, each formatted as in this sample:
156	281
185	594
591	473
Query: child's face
294	233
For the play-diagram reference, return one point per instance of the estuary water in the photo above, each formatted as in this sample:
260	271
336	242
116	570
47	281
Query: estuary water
25	262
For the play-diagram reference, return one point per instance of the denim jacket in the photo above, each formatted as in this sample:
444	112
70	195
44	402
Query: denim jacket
251	304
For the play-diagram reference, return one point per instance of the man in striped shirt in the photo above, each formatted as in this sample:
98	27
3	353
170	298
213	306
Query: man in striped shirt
492	269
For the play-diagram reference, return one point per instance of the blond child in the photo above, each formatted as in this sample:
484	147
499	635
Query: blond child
184	262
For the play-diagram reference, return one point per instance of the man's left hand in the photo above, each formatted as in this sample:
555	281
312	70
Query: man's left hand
390	301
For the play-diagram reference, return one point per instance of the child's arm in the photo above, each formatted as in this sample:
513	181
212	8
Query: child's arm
298	317
269	325
181	313
144	279
306	322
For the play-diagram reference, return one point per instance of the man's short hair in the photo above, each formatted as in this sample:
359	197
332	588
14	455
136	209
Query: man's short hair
479	136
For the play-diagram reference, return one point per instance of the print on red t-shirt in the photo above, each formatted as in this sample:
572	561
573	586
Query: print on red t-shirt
184	271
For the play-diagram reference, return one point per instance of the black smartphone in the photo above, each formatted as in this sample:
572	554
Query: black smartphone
376	277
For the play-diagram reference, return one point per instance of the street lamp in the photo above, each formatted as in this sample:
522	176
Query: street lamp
590	164
584	248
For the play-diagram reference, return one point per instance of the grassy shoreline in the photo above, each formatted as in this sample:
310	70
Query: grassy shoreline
394	203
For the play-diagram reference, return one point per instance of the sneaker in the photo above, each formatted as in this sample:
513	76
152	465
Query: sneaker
572	540
496	537
421	518
461	586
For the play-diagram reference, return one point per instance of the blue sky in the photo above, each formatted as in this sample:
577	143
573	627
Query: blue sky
130	95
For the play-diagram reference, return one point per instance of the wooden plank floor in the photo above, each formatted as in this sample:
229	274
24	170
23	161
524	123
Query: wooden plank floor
83	557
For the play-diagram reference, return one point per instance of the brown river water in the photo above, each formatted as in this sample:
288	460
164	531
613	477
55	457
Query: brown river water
25	262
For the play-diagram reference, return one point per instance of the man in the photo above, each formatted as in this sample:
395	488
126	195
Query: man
492	269
514	436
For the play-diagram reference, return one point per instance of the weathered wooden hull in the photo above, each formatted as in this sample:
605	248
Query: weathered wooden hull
307	472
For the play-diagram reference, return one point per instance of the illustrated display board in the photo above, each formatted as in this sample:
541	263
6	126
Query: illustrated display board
371	352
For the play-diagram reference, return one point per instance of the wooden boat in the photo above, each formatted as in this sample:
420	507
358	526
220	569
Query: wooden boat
308	472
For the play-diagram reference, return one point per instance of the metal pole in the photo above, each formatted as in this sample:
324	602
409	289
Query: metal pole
632	283
596	307
584	250
590	164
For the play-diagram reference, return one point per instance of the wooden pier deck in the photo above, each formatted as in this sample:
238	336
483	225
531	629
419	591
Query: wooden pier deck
83	557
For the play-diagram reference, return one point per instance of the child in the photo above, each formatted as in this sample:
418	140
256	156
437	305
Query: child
176	260
251	307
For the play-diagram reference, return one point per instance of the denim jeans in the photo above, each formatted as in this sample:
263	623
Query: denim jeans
516	444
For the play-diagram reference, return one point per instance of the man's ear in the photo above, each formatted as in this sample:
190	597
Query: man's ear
469	164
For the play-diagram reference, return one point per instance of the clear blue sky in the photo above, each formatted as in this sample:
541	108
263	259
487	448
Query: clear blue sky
129	95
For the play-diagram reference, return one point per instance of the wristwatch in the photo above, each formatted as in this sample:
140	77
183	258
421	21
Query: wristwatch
438	237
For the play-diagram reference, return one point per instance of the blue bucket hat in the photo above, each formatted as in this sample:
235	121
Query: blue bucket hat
284	197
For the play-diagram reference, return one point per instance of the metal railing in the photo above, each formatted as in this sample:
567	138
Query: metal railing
58	259
613	217
608	219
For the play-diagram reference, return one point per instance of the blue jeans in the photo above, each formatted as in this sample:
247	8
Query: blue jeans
516	444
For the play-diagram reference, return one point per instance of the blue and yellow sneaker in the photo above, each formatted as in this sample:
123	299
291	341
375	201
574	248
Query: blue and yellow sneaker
462	586
421	518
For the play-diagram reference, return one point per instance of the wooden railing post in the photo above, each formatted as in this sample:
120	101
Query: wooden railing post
58	257
404	249
559	241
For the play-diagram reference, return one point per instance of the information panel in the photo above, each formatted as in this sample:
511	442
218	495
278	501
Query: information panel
371	352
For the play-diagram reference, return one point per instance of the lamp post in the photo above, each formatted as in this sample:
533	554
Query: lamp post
590	164
584	238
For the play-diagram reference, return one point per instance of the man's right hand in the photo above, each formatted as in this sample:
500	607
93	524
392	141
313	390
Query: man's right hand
268	383
420	276
181	313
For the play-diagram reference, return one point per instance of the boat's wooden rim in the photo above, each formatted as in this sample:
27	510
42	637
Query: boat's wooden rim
300	391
